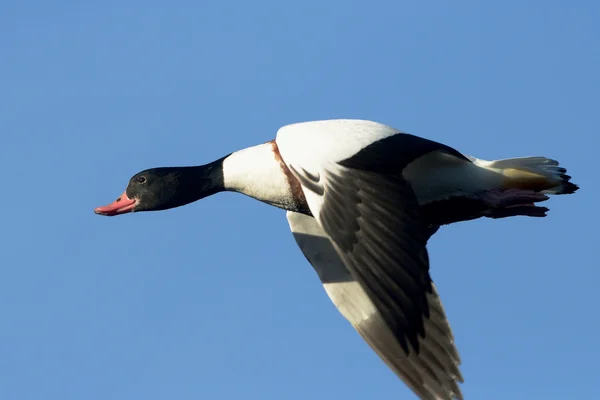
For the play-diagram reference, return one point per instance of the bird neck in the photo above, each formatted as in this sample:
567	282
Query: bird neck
198	182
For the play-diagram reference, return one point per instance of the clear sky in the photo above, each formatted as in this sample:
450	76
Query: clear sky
214	300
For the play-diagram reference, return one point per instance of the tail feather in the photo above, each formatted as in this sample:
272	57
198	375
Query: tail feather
540	174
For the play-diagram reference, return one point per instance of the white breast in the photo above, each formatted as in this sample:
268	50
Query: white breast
258	173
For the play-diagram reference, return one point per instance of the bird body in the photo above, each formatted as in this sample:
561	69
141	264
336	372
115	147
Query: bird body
362	200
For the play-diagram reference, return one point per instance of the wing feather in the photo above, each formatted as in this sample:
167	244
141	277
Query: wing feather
351	173
373	221
434	373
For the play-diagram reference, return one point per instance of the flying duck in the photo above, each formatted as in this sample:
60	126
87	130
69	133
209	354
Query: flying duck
362	200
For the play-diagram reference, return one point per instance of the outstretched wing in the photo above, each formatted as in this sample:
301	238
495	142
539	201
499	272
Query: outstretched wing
373	222
433	372
351	173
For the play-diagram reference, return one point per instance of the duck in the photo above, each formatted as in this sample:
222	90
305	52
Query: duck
362	200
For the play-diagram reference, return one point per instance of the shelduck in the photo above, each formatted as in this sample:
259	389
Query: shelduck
362	200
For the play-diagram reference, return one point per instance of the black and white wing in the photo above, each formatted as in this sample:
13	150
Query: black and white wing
354	188
431	374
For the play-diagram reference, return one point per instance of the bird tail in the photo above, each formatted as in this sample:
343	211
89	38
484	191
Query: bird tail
539	174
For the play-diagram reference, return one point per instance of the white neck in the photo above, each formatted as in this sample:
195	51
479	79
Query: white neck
258	173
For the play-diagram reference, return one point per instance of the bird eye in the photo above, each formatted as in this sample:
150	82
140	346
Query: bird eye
141	179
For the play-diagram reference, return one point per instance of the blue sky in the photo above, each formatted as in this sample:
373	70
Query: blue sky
214	300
